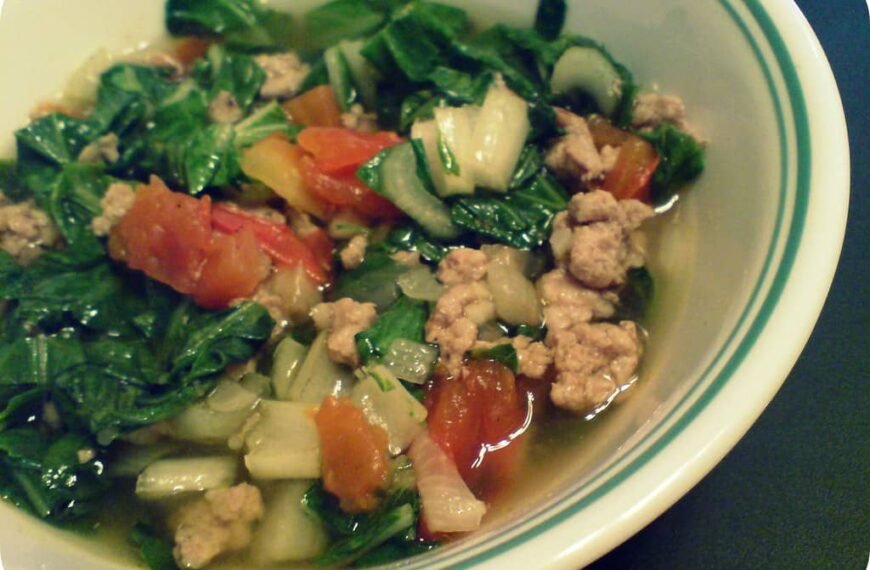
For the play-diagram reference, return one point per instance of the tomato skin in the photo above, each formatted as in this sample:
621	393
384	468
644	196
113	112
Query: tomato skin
278	241
233	269
315	107
166	234
321	247
354	458
631	175
190	48
343	151
479	420
275	162
347	191
635	164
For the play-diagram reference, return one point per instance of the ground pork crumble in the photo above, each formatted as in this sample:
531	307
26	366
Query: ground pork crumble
116	202
464	306
343	319
593	248
285	73
25	230
217	523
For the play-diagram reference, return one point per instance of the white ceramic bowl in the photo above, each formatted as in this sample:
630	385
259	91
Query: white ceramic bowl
743	265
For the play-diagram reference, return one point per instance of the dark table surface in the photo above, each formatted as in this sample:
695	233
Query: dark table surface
795	492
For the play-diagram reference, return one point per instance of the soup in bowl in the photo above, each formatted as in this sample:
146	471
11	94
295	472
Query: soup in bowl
404	288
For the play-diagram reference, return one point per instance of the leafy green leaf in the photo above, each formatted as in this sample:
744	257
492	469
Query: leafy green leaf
682	160
521	218
58	290
381	534
241	24
262	122
12	187
59	478
636	296
504	353
235	73
340	19
408	237
155	551
405	318
55	138
550	18
375	281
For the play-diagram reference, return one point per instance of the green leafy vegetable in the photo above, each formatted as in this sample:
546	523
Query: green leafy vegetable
550	18
504	353
241	24
682	160
235	73
521	218
10	184
378	536
405	318
635	296
155	551
375	281
411	238
57	478
340	19
400	174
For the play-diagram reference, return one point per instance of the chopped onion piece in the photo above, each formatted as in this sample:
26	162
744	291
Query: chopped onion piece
448	505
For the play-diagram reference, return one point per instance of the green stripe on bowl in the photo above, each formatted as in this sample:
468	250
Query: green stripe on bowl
795	231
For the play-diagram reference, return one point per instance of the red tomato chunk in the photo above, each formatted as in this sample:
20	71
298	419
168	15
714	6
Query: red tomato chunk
479	420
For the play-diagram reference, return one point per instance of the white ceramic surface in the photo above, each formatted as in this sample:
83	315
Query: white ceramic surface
743	265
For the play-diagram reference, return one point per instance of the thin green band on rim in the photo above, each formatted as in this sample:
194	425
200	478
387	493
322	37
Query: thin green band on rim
786	262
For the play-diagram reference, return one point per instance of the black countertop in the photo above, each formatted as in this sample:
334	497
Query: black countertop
795	492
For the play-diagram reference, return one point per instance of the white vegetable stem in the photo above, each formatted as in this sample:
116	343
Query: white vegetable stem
516	301
286	363
364	75
286	532
319	376
499	134
168	477
388	404
411	361
222	413
284	443
453	127
448	505
587	69
420	283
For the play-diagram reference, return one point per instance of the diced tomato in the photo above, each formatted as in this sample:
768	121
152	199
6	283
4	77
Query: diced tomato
635	164
479	420
190	48
275	162
316	107
630	176
343	151
353	453
321	245
604	133
278	241
347	191
166	234
233	269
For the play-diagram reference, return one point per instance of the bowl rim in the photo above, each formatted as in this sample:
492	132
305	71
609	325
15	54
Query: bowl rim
811	94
